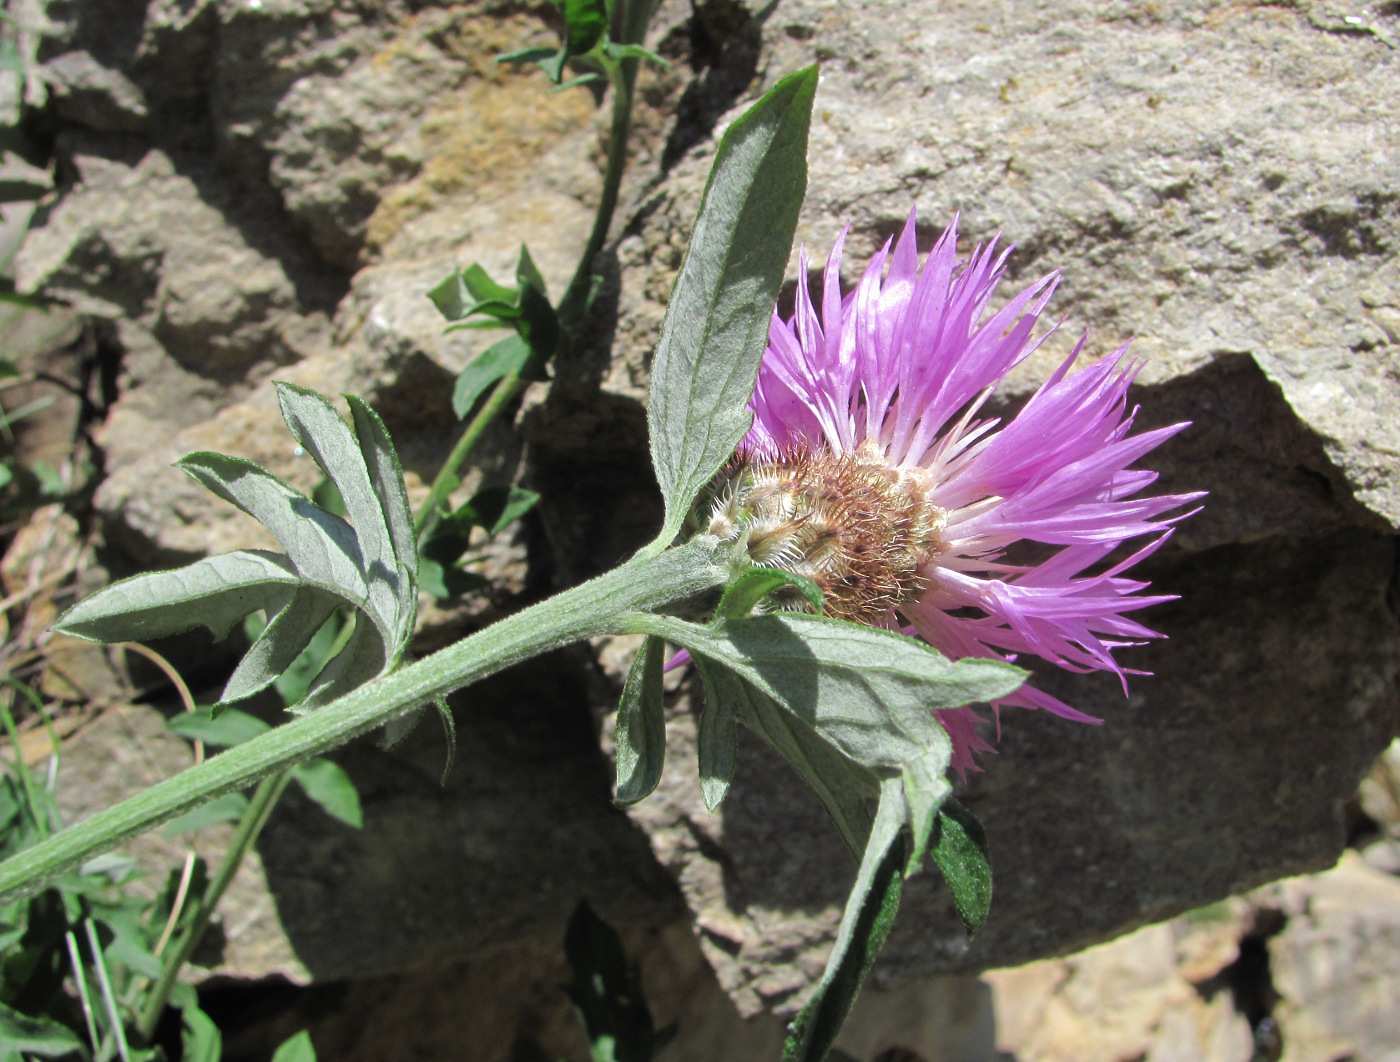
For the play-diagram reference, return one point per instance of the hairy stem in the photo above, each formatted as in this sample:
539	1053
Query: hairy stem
596	607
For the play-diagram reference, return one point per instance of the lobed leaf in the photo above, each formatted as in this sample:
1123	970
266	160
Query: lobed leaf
323	548
281	642
716	324
926	788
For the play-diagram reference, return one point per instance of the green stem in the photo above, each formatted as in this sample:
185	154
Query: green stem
594	608
507	387
249	827
575	300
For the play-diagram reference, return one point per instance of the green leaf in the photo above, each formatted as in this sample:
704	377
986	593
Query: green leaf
575	82
323	548
281	642
747	592
866	922
641	725
482	372
961	854
128	945
716	325
869	692
227	808
586	21
328	785
926	787
843	787
607	991
528	275
460	293
496	508
716	736
200	1039
527	55
216	593
229	727
37	1036
619	52
296	1049
539	325
449	733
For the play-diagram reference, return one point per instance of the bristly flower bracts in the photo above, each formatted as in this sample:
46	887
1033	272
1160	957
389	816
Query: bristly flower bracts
869	471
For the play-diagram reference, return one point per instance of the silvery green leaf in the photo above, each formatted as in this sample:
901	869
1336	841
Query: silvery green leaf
717	736
926	788
317	427
327	784
869	692
641	725
216	593
843	787
716	324
961	854
322	547
363	658
37	1036
386	477
865	923
280	643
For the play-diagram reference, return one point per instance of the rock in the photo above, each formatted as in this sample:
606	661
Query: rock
1211	183
1335	965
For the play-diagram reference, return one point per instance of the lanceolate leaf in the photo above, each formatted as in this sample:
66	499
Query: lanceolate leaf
363	657
216	593
507	356
748	591
328	785
641	725
926	788
229	727
717	736
961	854
866	922
716	325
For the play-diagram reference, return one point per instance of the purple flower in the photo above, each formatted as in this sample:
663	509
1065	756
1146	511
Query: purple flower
869	470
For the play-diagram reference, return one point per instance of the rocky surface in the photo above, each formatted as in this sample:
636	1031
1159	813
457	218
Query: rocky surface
250	187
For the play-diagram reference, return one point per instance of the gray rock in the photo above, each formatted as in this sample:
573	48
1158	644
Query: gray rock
1213	184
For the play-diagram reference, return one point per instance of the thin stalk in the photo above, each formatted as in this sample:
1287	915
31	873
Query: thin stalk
594	608
75	959
507	387
575	300
249	827
109	999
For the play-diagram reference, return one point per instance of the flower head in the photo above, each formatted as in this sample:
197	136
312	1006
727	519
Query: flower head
870	470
